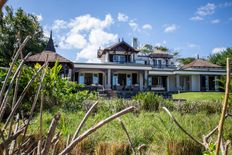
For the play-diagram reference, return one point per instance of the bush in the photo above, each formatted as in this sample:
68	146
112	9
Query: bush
209	107
151	102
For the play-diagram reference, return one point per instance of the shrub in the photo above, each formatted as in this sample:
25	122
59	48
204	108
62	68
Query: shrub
209	107
151	102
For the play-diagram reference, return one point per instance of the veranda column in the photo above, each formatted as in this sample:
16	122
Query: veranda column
109	78
107	57
141	81
216	83
167	83
145	78
206	83
177	82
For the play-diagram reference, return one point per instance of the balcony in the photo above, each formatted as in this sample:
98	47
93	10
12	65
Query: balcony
163	67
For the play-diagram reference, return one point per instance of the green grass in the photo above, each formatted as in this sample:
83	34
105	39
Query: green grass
152	128
199	96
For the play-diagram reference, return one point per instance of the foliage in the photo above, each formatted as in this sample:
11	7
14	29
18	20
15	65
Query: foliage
58	91
150	101
209	107
220	58
22	24
187	60
148	48
155	129
161	48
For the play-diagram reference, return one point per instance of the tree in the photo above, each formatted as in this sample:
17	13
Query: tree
148	49
220	58
187	60
14	27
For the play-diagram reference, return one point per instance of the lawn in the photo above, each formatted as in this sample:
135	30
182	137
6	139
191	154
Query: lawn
199	96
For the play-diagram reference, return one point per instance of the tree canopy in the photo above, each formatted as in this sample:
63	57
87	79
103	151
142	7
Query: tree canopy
14	27
187	60
220	58
148	48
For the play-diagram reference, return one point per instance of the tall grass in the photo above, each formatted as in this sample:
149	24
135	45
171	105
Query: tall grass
154	129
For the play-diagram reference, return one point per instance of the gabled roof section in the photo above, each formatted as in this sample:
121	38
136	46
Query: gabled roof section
120	46
52	57
50	54
199	63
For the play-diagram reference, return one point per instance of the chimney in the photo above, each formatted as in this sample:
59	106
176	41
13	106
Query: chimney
135	43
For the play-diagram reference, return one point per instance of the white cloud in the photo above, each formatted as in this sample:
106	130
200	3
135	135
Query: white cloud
218	50
215	21
203	11
122	17
38	16
170	28
226	4
85	34
134	25
196	18
147	27
192	45
163	43
206	10
59	24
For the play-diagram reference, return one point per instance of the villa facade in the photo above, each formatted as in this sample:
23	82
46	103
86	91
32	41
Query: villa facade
123	68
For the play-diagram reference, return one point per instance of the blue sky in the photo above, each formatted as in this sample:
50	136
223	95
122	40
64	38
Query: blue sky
82	26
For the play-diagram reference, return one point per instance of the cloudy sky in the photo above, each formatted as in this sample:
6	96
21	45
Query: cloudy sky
80	27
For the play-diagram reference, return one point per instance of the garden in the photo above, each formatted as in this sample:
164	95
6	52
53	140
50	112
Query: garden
147	129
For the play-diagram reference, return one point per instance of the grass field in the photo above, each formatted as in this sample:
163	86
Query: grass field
199	96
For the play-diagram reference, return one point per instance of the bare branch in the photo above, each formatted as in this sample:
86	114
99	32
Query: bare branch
178	124
224	108
94	128
84	120
5	99
22	96
128	136
11	67
51	132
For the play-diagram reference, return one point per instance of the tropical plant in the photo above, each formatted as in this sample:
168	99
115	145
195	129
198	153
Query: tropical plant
220	57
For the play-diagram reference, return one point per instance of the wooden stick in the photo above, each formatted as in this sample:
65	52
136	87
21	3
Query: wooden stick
21	97
11	67
128	136
51	132
224	108
84	120
178	124
35	100
94	128
2	2
5	99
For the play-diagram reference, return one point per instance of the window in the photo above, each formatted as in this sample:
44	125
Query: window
119	58
128	80
95	78
81	78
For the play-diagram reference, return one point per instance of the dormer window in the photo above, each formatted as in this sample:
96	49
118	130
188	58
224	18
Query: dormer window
119	58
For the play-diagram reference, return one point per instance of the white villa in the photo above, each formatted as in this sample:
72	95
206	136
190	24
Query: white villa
124	68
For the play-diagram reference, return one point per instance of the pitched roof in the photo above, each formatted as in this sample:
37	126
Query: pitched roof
199	63
52	57
119	46
50	46
50	53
